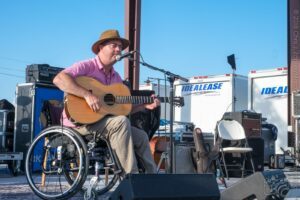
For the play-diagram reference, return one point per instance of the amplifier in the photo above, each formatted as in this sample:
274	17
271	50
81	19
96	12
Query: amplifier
251	122
187	138
260	185
184	163
42	73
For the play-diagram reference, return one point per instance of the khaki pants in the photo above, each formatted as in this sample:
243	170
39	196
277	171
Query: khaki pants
125	140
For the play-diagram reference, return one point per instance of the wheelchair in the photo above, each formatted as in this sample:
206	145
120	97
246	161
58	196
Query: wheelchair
61	162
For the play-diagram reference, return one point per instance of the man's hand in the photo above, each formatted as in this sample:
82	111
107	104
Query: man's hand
67	83
153	105
93	101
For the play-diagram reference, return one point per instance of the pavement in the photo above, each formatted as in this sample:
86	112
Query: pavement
17	188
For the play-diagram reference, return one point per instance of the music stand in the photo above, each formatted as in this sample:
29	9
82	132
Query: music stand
171	78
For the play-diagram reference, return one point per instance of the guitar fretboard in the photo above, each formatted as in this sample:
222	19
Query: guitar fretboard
110	99
133	99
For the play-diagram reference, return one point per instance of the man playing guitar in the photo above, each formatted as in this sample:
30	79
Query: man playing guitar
126	140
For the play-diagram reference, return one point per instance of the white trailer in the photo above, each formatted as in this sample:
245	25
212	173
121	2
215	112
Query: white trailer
268	94
207	98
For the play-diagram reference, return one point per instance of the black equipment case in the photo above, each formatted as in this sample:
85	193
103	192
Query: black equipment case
30	98
42	73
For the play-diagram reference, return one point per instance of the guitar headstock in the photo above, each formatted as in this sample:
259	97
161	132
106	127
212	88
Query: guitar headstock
178	101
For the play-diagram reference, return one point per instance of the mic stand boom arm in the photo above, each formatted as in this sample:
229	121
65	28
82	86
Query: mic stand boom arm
171	78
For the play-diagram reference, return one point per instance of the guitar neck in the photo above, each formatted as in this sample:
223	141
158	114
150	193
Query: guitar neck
133	99
138	99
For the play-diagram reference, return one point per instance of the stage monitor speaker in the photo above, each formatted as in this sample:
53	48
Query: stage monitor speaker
260	185
167	186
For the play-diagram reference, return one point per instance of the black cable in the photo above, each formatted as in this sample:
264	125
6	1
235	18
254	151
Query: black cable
11	75
17	60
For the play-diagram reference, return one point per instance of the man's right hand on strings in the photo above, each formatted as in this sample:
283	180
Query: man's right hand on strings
93	101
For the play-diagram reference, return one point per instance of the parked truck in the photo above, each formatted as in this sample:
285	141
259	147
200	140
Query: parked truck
207	98
268	95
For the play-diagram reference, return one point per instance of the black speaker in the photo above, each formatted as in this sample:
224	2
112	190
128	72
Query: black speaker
231	61
167	186
260	185
257	145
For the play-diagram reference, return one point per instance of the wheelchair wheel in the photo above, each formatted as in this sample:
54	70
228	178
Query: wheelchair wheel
51	159
108	173
109	168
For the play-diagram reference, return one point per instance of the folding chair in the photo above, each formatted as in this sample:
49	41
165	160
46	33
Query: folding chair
233	131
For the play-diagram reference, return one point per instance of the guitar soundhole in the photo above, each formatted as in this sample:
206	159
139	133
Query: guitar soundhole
109	99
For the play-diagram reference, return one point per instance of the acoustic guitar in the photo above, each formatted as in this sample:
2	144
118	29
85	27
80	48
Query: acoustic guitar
115	99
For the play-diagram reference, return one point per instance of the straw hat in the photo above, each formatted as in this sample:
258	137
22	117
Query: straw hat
109	35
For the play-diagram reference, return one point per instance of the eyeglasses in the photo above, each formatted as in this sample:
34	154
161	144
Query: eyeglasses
115	45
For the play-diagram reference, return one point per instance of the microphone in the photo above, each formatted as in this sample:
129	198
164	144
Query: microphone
125	55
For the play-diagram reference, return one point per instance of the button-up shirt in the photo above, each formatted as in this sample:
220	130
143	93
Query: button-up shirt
94	69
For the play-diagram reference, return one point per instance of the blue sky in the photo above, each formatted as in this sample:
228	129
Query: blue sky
186	37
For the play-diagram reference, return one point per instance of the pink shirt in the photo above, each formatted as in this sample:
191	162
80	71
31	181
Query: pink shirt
91	68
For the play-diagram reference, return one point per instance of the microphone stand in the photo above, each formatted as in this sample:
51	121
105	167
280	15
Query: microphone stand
233	91
171	78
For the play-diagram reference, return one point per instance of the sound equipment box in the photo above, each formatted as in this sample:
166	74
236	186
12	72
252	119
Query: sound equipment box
184	163
42	73
185	150
30	98
251	122
167	186
260	185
